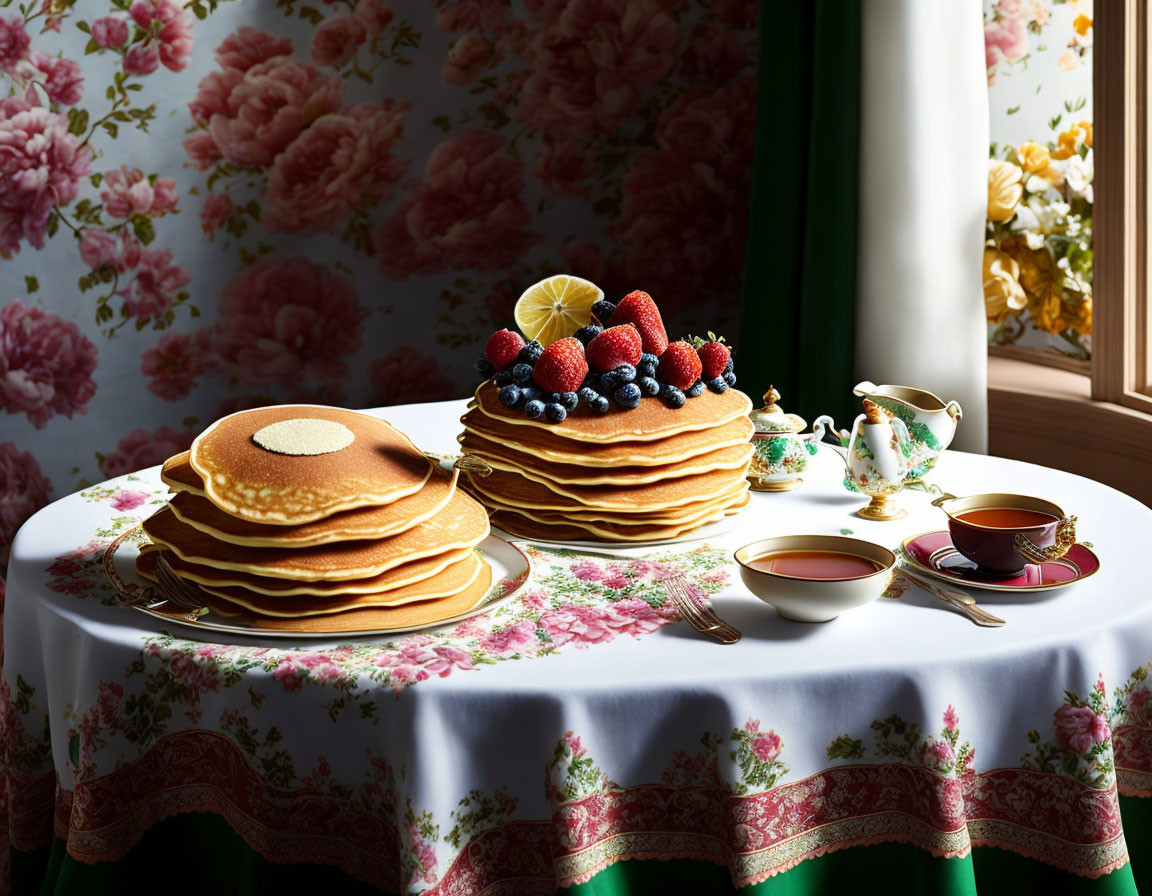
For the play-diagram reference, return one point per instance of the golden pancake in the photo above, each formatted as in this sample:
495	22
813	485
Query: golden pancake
179	476
677	516
550	447
448	583
350	525
419	614
650	421
463	523
501	457
395	578
524	526
256	483
518	491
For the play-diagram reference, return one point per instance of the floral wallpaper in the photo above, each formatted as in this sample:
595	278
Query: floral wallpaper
1038	258
214	205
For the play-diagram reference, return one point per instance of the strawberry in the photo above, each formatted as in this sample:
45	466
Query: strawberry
502	348
615	346
562	366
637	308
714	355
679	366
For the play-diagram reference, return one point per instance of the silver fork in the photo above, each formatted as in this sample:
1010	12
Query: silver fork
699	615
965	603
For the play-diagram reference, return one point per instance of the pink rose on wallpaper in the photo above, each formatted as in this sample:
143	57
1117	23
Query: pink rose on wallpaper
46	364
288	320
564	166
1005	41
546	12
716	52
14	41
253	115
23	491
140	449
468	15
405	376
592	262
41	165
109	31
334	167
167	40
62	80
1079	728
176	362
215	211
246	47
469	56
591	68
336	40
466	213
373	15
128	255
128	192
740	13
154	288
97	247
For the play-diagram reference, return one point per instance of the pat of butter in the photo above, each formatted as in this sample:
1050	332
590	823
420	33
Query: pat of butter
304	436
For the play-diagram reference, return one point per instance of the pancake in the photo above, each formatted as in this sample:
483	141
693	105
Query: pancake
350	525
521	525
501	457
650	421
463	523
179	476
265	485
551	447
448	583
395	578
419	614
518	491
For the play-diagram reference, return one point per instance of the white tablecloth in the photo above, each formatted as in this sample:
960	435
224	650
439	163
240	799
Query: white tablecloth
901	687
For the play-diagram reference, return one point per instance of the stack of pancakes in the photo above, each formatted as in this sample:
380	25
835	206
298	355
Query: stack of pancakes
645	474
308	518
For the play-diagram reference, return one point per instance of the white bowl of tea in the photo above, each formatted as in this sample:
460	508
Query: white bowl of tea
815	578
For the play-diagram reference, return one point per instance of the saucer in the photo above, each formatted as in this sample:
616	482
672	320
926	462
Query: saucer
932	553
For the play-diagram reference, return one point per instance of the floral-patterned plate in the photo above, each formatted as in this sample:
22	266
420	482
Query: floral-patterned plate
510	570
932	553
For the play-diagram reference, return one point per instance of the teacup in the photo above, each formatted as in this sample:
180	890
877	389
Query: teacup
1002	533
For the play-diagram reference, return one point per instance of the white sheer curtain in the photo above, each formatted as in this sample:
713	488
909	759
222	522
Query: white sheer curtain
923	196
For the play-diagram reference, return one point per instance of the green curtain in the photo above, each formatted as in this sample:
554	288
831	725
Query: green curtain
798	317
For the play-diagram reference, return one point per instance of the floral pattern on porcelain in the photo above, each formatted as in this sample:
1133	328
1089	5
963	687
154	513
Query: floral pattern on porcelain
781	457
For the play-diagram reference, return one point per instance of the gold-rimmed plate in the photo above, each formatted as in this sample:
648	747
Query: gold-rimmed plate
509	567
933	554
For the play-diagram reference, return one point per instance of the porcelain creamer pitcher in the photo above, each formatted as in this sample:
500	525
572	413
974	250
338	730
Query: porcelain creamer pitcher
930	420
877	457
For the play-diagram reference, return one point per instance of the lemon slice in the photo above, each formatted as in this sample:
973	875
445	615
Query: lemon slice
556	307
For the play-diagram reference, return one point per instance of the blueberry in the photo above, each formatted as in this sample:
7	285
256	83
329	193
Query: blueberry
609	381
649	386
555	412
728	366
697	388
672	396
730	378
592	381
530	354
534	408
503	377
603	310
521	373
626	372
587	394
588	333
568	401
529	393
510	396
718	385
647	365
484	367
600	404
628	396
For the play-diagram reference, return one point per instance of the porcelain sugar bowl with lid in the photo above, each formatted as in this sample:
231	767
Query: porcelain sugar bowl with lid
780	453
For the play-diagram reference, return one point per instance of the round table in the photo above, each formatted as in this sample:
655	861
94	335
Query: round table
581	724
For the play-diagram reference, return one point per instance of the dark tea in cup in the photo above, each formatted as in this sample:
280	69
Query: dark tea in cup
984	528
